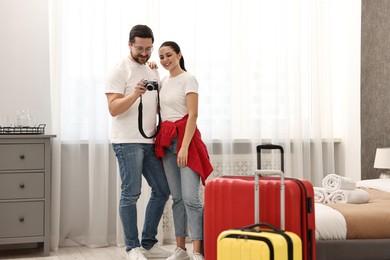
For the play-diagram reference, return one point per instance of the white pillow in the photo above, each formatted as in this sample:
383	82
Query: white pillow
377	184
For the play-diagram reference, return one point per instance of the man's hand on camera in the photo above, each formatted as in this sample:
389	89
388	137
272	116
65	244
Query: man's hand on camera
140	88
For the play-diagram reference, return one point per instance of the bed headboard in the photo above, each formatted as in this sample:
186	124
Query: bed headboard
375	112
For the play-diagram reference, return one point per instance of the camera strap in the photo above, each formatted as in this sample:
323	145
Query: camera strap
140	124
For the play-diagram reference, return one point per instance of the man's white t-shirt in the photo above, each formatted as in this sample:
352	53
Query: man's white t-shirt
122	79
173	95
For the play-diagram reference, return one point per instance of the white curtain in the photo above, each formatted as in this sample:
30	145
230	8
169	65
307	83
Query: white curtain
269	71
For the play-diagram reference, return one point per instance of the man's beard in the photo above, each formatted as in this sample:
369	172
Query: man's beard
137	58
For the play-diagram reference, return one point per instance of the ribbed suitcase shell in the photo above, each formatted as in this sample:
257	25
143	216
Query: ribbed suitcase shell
229	204
254	245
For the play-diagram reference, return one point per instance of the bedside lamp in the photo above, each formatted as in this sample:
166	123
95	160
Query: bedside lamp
382	161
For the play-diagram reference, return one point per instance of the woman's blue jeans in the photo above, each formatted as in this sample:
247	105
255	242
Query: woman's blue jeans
135	160
184	185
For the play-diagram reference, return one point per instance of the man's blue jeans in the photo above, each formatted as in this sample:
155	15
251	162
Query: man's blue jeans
135	160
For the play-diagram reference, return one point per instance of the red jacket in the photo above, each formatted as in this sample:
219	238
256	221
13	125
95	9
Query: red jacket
198	157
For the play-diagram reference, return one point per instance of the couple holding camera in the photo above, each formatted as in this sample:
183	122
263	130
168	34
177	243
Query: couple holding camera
172	157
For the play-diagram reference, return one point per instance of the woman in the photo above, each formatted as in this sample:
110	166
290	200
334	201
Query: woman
185	157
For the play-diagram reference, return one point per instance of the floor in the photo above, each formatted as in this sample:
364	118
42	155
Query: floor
76	253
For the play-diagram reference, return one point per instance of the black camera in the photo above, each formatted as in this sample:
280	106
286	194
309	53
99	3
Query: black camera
150	84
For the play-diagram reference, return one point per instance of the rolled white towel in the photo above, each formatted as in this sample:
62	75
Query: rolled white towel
333	182
356	196
320	195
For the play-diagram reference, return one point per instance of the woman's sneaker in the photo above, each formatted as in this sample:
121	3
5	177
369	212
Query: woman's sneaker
156	252
198	256
136	254
179	254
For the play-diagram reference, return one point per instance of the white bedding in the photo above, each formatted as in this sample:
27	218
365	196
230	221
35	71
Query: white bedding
330	224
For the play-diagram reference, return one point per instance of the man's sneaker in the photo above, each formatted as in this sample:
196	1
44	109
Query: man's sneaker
179	254
136	254
198	256
156	252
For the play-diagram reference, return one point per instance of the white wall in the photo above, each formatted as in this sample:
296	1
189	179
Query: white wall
24	59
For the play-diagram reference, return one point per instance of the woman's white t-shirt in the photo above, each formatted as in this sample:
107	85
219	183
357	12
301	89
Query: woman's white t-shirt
173	95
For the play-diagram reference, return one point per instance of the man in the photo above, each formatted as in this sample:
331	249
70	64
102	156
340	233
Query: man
136	154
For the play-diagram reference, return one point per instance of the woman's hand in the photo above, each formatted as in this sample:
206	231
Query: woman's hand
152	65
182	157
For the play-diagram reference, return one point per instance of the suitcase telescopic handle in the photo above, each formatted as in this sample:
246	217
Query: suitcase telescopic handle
282	192
270	147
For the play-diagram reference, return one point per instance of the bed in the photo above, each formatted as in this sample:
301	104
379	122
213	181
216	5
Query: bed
356	231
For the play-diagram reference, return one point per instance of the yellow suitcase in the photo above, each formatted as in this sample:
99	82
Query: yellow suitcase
251	243
260	240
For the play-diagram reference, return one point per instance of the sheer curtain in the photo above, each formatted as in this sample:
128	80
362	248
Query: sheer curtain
269	71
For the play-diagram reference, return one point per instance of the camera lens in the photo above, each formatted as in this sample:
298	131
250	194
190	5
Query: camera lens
149	87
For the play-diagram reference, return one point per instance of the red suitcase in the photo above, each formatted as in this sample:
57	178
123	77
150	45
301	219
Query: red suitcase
229	204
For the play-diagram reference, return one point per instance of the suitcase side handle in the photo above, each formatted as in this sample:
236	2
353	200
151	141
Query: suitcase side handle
282	194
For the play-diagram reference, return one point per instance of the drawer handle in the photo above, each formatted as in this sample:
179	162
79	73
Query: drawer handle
21	219
21	186
22	156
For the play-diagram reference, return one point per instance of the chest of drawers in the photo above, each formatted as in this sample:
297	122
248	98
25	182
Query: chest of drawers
25	187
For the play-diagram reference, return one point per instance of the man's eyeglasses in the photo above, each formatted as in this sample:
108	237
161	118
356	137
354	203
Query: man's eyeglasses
142	49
